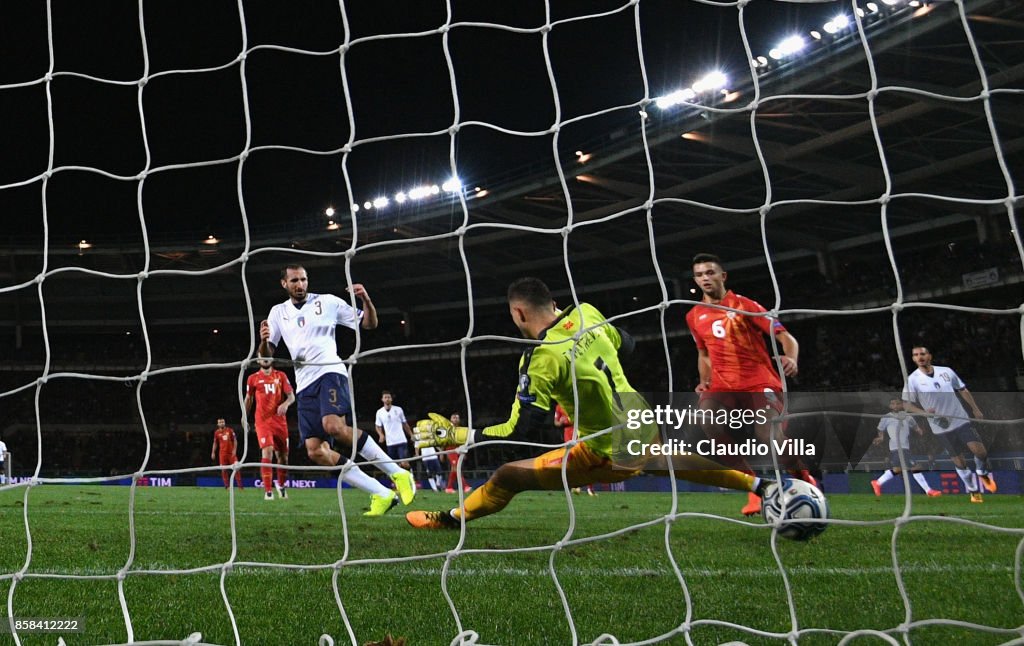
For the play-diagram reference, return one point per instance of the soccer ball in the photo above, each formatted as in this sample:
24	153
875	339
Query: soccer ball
795	500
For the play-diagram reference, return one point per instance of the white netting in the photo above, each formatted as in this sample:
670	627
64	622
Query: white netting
564	221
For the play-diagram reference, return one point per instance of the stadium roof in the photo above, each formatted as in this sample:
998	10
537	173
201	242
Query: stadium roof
691	178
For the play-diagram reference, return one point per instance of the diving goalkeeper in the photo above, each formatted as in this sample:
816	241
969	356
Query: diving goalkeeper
546	378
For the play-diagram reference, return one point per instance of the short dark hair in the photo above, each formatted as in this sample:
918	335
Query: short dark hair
919	345
531	291
706	257
385	392
284	270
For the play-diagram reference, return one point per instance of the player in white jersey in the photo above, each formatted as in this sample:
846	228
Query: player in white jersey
3	460
932	390
306	322
393	429
897	424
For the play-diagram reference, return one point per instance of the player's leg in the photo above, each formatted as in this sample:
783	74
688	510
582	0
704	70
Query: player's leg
238	474
225	462
266	455
280	447
453	474
721	434
956	449
334	407
969	436
888	474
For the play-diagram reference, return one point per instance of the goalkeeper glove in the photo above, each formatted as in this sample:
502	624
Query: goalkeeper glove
438	432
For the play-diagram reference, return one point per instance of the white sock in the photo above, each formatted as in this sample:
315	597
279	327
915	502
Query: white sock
372	451
970	480
919	477
355	477
979	466
885	477
433	482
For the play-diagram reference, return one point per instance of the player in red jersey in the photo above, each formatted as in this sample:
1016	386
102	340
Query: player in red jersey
453	463
224	438
272	393
735	369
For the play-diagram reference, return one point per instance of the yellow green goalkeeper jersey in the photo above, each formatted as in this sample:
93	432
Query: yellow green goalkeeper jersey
546	378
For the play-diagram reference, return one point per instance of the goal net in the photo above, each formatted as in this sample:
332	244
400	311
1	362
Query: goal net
853	164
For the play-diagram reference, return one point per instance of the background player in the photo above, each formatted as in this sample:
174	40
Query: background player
307	322
431	467
932	390
898	425
393	429
732	362
3	462
453	462
546	377
225	449
272	393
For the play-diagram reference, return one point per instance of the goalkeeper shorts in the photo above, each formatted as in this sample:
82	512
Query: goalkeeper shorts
584	466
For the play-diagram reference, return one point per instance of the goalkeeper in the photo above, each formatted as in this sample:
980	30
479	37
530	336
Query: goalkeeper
546	378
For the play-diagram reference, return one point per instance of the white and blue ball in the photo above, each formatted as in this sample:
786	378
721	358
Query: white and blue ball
798	503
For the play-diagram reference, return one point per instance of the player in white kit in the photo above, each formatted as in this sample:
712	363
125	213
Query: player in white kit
932	390
306	322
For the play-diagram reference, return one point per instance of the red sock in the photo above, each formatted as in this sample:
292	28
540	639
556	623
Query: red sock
238	479
282	475
224	476
266	473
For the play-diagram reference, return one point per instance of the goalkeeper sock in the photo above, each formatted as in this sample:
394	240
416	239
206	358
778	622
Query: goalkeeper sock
372	451
266	472
486	500
885	477
728	478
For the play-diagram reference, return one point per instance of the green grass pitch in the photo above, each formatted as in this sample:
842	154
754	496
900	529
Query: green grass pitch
623	585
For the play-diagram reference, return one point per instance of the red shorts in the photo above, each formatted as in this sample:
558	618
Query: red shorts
228	458
276	438
764	397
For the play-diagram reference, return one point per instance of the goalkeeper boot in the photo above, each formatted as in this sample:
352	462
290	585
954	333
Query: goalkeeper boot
988	482
380	504
753	505
405	484
432	520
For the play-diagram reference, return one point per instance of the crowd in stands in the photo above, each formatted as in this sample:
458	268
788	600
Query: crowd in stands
838	352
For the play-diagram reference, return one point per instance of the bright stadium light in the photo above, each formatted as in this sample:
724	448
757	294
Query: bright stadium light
792	45
355	208
367	205
711	81
452	185
211	239
675	98
890	3
762	60
84	245
418	193
816	35
329	211
332	225
400	197
434	189
381	202
872	7
838	23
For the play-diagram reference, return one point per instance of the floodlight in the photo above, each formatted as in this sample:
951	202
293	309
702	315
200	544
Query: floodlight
381	202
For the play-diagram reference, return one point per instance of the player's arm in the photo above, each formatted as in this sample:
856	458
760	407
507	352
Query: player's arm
969	398
380	433
407	429
703	370
266	348
369	321
213	449
289	399
790	352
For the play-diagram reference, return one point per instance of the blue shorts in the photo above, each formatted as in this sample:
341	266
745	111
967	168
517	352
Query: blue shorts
432	464
328	395
398	452
955	441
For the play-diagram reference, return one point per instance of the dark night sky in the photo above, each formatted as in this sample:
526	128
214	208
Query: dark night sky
396	86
